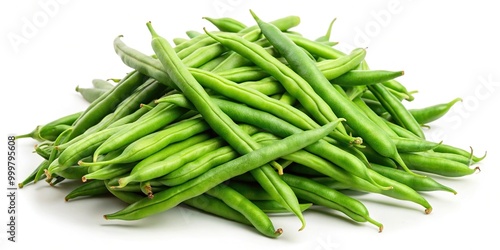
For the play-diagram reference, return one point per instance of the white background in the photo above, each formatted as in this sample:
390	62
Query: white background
448	49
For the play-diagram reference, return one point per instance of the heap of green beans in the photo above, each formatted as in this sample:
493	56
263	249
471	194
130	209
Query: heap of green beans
245	122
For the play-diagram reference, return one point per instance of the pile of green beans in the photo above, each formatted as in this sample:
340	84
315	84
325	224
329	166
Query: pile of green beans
244	122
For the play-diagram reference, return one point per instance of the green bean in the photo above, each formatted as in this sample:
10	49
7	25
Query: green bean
295	85
221	123
432	113
326	37
211	205
154	142
226	24
173	196
243	74
260	101
397	86
401	115
413	145
193	33
321	195
298	61
73	173
251	190
90	94
436	165
271	206
127	197
102	84
199	166
171	163
91	188
281	128
108	172
147	92
51	130
365	77
415	182
144	126
106	103
445	148
254	214
78	150
374	117
179	40
31	177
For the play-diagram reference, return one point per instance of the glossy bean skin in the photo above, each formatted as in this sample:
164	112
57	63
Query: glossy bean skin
254	214
173	196
220	122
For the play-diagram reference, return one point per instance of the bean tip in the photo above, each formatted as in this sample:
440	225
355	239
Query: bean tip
84	179
428	210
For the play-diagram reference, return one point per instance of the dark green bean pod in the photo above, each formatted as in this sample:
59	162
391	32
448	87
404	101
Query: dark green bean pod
415	182
436	165
31	177
226	24
365	77
434	112
91	188
73	173
51	130
251	190
109	172
254	214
